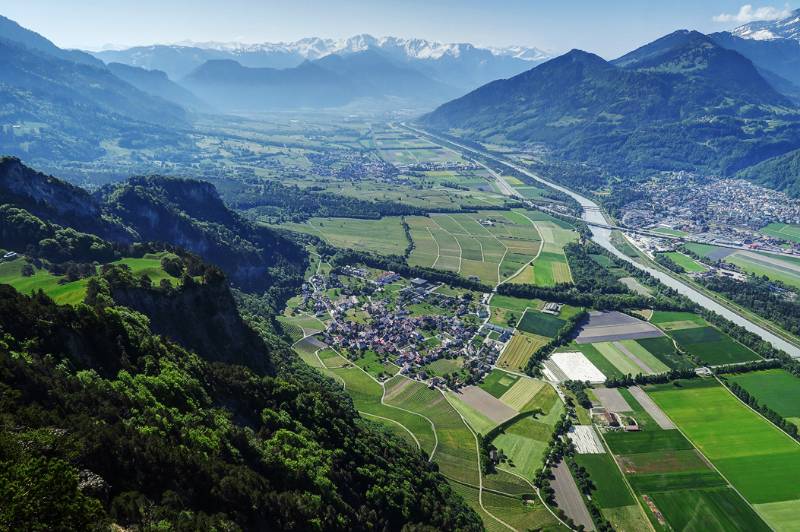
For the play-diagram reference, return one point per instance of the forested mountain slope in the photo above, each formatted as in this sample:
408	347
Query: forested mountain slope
681	102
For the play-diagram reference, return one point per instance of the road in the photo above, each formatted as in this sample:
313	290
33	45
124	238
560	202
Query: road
601	234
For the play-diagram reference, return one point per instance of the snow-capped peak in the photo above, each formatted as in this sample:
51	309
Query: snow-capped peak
786	28
315	47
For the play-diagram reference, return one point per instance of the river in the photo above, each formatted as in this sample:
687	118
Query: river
592	213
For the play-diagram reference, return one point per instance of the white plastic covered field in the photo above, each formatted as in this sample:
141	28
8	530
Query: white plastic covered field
577	367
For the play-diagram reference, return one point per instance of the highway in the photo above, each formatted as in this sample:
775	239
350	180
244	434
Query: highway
601	234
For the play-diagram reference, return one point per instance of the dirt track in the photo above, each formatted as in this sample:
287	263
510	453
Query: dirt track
651	408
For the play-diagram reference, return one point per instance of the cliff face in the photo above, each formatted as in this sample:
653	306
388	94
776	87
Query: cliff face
56	201
200	316
190	214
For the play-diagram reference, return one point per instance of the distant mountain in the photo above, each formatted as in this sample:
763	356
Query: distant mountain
332	81
56	104
777	56
156	83
11	31
681	102
786	28
461	65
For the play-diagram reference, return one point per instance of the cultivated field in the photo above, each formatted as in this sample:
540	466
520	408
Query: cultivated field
516	354
575	366
785	231
458	242
686	262
481	409
498	382
673	483
456	453
522	393
777	268
697	337
383	236
777	389
366	394
525	441
761	462
497	250
630	358
535	322
612	326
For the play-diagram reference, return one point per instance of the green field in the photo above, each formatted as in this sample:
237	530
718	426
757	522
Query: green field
774	267
669	320
371	362
522	395
788	232
73	292
760	461
366	395
777	389
647	441
498	382
686	262
539	323
456	453
611	489
525	441
514	303
702	250
617	354
707	509
670	476
460	243
493	246
383	236
712	346
443	365
663	349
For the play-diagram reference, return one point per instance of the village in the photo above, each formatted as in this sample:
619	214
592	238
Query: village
431	332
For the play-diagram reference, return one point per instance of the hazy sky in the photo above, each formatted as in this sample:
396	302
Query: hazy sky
607	27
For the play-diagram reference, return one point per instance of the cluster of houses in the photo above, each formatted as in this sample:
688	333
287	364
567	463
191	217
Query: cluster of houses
393	333
362	321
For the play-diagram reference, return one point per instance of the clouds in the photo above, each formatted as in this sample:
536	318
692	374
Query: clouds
748	13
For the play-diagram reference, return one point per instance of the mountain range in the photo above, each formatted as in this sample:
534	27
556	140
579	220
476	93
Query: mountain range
332	81
460	65
681	102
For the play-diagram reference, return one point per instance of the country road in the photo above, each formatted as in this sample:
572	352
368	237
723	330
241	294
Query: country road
593	215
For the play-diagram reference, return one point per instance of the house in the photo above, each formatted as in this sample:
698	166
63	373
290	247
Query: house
553	308
10	255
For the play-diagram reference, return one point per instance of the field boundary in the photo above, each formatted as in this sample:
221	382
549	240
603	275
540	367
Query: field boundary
538	494
756	411
625	480
480	473
713	465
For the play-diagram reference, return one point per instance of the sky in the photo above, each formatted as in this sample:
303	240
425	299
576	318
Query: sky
606	27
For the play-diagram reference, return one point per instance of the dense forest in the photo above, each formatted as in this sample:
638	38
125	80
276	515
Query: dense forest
271	198
107	422
157	405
